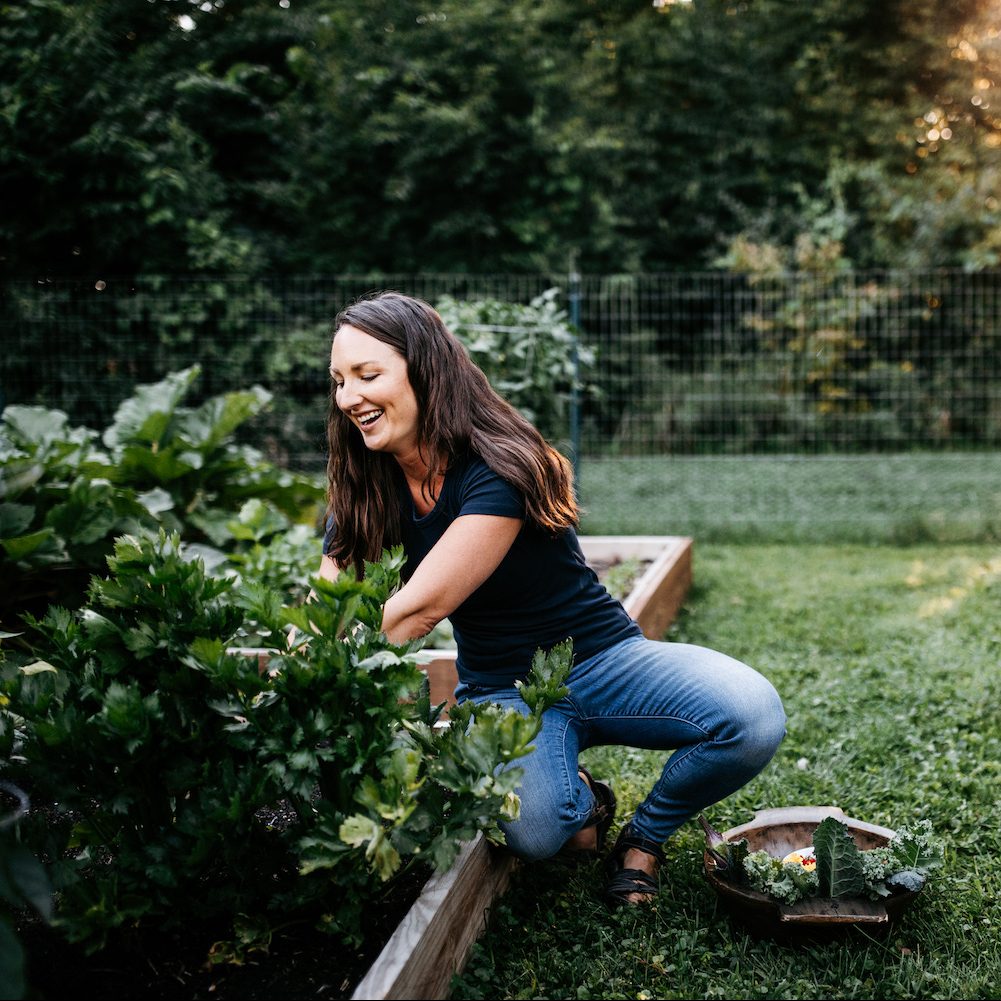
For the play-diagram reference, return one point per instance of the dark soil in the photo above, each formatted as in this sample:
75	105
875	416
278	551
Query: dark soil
173	962
301	962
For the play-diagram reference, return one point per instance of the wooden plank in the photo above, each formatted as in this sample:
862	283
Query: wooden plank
625	547
657	596
433	941
829	911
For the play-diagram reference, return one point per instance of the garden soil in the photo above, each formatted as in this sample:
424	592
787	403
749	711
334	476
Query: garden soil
300	962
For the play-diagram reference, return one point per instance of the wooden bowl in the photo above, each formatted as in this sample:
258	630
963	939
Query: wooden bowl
781	831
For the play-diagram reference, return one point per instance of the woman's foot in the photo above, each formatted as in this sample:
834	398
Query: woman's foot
590	839
632	869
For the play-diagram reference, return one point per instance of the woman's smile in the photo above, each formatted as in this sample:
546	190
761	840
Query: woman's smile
365	421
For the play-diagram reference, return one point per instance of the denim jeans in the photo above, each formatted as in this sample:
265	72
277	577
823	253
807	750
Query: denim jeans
723	720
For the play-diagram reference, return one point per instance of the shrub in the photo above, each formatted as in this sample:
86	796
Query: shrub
527	352
66	493
166	761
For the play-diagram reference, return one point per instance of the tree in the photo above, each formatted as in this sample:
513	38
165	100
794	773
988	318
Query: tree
241	136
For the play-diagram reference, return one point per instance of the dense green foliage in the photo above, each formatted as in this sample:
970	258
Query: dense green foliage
529	352
330	136
67	492
164	763
886	660
172	769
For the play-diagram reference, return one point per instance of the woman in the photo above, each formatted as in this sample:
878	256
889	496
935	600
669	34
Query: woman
423	452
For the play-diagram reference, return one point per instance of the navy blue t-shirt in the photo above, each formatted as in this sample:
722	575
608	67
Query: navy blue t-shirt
542	593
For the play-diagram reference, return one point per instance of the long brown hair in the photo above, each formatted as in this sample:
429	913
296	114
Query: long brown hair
458	412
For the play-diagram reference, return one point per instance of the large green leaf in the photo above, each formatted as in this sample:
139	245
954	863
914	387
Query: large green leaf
36	425
143	467
216	419
40	543
89	513
15	519
146	416
19	474
839	862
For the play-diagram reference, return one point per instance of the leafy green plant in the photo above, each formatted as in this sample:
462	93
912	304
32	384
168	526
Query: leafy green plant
526	351
268	549
187	466
785	881
64	497
393	784
620	577
839	862
171	768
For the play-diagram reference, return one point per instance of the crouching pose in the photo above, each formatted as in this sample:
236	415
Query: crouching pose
423	453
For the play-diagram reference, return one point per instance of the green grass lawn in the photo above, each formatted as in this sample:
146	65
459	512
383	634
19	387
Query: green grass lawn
888	663
900	498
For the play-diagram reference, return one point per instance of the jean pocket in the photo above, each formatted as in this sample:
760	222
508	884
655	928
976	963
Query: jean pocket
464	691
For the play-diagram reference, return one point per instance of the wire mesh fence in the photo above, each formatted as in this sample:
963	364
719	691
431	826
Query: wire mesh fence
672	368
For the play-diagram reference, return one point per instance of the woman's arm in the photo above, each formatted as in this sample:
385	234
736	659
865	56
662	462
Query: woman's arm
462	559
328	569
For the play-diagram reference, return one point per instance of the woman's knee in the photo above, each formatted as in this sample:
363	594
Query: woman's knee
532	843
545	823
761	722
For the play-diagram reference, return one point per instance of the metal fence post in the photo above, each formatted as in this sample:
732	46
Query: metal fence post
574	297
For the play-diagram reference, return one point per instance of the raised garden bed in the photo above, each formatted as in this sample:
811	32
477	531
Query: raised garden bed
433	940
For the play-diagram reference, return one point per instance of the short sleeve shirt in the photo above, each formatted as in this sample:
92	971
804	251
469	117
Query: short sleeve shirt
542	593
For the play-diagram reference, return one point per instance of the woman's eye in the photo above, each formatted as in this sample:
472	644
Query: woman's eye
368	378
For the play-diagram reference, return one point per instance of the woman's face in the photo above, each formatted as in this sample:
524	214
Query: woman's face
371	386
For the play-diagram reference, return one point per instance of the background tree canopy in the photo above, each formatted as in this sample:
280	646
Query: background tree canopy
291	136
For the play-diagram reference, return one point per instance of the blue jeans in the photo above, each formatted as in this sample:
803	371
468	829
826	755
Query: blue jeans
723	720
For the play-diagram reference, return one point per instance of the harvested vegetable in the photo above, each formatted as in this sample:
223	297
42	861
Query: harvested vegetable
834	866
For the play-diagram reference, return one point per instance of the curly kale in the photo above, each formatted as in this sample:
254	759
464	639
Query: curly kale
787	882
877	864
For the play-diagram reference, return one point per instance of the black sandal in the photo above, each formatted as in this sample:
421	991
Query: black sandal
602	816
603	812
622	882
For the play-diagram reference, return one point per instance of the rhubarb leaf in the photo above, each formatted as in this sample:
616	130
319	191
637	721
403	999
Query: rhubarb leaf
839	862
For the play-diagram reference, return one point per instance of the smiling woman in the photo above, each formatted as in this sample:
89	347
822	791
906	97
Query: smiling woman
424	453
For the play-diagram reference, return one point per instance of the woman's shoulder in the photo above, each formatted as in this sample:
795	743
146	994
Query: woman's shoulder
472	468
469	463
475	482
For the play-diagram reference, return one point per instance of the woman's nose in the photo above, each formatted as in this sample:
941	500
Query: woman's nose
347	395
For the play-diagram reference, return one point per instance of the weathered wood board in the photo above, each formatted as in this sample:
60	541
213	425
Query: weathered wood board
433	941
